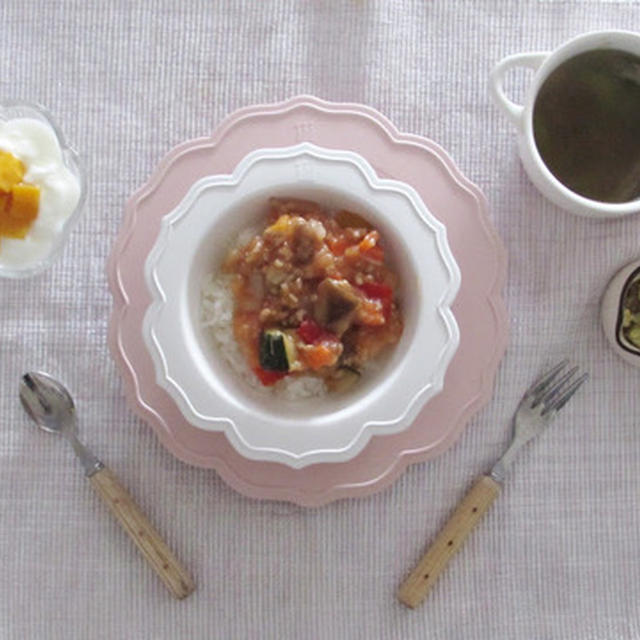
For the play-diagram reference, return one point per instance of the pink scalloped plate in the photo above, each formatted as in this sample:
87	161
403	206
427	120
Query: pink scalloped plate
478	308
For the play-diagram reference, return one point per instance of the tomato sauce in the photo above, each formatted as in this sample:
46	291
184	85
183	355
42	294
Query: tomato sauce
313	294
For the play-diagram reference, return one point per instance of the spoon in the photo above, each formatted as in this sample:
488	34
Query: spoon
51	407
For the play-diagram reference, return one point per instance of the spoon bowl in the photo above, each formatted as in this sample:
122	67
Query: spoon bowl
48	403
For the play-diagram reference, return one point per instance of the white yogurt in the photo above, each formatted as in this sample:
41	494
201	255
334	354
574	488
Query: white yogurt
36	145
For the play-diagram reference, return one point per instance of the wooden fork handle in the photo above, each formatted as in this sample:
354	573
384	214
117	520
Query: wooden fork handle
142	532
451	537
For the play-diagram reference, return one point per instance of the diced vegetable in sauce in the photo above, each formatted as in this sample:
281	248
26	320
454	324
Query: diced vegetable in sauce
336	304
313	295
277	350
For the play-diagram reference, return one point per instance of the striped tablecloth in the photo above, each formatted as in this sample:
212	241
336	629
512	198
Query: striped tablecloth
558	557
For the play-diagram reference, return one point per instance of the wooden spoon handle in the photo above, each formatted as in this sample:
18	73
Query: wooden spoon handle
142	532
451	537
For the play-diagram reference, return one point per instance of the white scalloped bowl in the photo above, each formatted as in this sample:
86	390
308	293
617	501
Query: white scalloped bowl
195	237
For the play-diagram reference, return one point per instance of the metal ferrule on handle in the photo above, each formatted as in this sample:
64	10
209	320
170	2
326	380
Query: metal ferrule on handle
90	463
500	468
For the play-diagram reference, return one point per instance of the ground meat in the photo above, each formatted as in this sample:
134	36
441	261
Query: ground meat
324	284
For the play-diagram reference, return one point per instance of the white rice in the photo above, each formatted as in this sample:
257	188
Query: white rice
217	317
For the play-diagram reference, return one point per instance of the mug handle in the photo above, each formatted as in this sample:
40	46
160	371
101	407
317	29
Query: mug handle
512	110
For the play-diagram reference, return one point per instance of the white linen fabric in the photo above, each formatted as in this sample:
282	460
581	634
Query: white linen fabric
558	557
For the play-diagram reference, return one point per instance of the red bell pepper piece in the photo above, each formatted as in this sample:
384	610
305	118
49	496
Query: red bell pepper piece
312	333
269	378
379	291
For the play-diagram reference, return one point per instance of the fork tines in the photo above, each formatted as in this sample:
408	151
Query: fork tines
554	392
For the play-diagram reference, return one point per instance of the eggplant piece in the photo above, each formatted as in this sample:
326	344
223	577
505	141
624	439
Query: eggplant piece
277	350
336	305
343	379
346	218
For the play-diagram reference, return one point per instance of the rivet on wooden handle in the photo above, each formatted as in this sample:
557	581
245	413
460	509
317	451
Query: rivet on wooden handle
147	539
451	537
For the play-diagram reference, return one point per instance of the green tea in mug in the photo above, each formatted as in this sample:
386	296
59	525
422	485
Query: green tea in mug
586	124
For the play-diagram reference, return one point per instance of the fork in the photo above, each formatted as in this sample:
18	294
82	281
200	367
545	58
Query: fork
539	405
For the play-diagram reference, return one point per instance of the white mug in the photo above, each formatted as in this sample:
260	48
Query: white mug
544	63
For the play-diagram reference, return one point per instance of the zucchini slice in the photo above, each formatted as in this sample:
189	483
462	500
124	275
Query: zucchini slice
277	350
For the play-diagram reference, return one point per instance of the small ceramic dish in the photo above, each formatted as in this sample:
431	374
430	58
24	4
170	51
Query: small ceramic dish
54	167
193	241
618	319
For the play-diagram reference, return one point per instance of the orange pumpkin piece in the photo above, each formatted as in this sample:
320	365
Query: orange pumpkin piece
16	219
19	201
5	202
26	201
11	171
